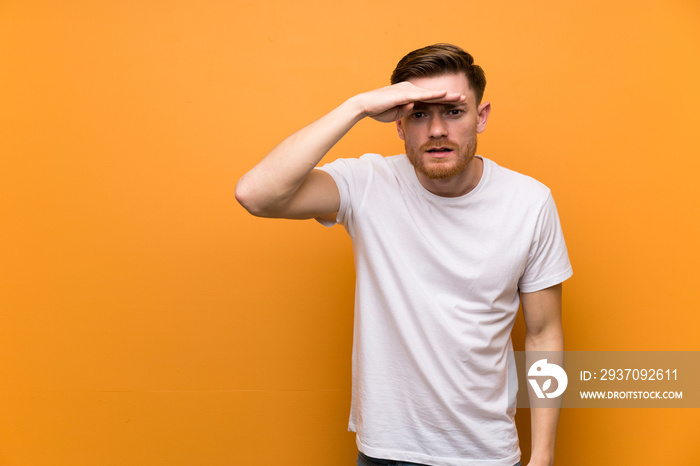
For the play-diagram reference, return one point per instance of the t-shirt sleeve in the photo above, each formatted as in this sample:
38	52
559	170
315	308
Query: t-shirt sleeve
548	261
352	177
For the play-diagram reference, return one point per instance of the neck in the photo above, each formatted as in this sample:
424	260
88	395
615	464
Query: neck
457	185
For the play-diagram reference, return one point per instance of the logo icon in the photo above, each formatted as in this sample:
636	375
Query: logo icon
543	369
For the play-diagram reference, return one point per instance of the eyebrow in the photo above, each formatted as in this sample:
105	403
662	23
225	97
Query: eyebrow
445	105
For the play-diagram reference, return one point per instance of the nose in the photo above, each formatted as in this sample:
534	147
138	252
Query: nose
438	127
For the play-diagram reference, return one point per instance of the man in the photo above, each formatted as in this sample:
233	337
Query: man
446	244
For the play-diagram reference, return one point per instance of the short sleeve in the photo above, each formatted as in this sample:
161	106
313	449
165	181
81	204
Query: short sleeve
548	260
352	177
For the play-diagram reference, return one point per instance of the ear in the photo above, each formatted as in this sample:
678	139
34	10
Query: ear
483	113
399	128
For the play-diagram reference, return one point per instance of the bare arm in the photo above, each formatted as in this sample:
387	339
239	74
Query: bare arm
284	184
542	312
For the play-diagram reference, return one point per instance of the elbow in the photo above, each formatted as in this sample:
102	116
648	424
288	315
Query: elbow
549	339
245	195
252	200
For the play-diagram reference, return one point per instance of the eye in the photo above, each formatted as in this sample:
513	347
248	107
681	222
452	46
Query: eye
418	115
455	112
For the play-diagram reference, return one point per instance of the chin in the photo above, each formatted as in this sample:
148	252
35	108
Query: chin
443	170
441	173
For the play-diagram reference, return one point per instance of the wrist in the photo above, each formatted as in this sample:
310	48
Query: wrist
541	460
356	108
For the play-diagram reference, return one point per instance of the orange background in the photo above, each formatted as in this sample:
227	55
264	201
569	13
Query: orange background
147	319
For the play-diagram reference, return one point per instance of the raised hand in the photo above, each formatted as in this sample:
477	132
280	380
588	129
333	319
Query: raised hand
392	103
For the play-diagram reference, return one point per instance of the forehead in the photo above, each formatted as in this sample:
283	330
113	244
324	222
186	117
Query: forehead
451	82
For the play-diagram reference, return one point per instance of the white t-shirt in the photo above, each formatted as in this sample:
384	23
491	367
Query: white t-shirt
436	297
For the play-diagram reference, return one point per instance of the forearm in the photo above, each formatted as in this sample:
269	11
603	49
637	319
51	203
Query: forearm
277	177
544	339
544	420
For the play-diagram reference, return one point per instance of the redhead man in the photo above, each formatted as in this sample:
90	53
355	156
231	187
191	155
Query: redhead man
447	245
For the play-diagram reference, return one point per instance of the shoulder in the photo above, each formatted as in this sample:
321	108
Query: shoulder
366	163
363	160
518	184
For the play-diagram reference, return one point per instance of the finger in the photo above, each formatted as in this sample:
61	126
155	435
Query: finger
448	97
427	95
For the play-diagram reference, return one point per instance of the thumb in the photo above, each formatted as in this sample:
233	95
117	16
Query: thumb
404	110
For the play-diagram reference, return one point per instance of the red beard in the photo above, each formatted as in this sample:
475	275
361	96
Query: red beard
441	168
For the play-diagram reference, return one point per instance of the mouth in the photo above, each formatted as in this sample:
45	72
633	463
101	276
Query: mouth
441	151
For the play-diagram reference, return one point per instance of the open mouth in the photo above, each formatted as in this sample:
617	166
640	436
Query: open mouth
439	151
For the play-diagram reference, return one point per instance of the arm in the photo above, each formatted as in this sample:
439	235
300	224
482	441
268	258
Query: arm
284	183
542	313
